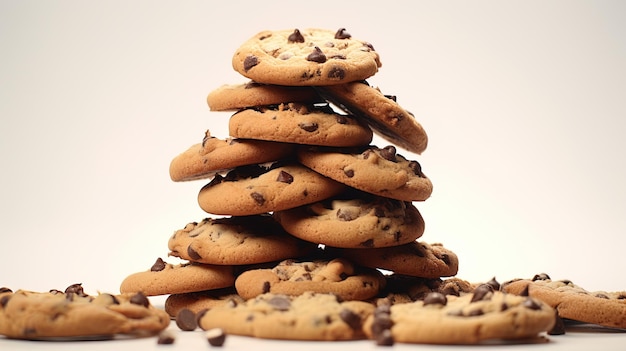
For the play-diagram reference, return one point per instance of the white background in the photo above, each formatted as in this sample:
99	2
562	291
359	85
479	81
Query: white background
523	102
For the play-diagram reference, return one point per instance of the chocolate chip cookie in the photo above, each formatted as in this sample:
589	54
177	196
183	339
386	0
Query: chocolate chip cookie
251	94
354	220
299	124
200	301
304	57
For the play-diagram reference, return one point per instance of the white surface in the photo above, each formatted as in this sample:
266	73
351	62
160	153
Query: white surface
523	102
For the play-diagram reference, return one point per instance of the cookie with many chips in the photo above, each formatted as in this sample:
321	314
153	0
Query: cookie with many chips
305	57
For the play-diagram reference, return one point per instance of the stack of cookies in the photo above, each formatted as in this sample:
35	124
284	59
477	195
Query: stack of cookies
301	204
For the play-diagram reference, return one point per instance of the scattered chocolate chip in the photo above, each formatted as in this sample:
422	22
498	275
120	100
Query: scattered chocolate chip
369	46
4	300
249	62
482	293
602	296
186	320
158	266
336	73
166	337
266	287
435	298
5	290
280	303
388	153
475	313
317	56
525	291
193	254
216	337
284	177
258	198
392	98
416	168
342	34
295	37
384	338
140	299
343	275
541	276
567	282
382	322
531	304
341	119
559	326
308	127
349	173
494	284
352	319
369	243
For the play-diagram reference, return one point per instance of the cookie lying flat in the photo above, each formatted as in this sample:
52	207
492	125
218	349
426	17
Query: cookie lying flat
416	259
484	315
213	155
251	94
200	301
574	302
309	316
357	220
165	278
255	189
236	241
403	289
305	57
379	171
76	315
291	277
299	124
382	113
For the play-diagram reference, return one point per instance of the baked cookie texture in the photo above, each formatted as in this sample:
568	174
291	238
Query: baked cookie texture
251	94
572	301
74	315
305	57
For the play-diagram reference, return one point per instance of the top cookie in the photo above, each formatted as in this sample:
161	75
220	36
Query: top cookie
384	115
310	57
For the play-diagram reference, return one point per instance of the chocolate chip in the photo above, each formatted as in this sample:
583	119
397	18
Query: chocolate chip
388	153
525	291
216	180
541	276
140	299
345	215
475	313
382	322
295	37
531	304
193	254
266	287
349	173
76	289
309	127
352	319
369	243
216	337
158	266
384	338
342	34
249	62
5	290
336	73
280	303
602	296
435	298
416	168
258	198
341	119
4	300
166	337
186	320
559	326
482	293
284	177
494	283
317	56
392	98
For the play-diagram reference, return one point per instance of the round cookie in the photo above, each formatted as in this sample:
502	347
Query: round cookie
305	57
310	316
74	315
357	220
236	241
382	113
482	316
299	124
200	301
214	155
255	189
250	94
417	259
290	277
379	171
572	301
165	278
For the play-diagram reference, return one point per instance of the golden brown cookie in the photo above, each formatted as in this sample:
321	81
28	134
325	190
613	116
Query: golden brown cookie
215	155
251	94
305	57
310	316
200	301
